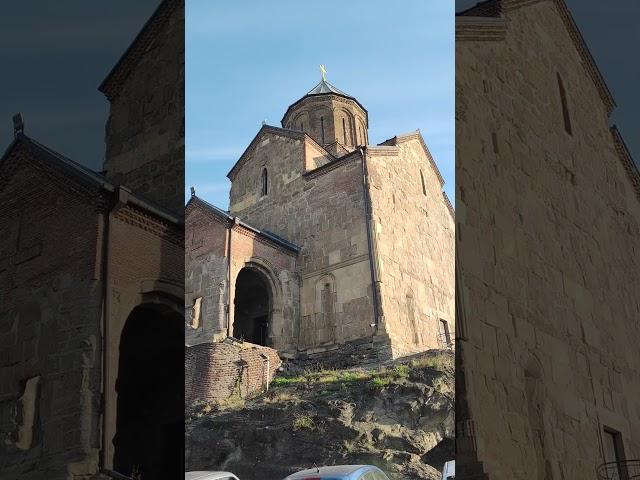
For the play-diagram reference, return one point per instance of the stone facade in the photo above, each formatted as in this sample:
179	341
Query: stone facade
145	130
359	216
549	259
91	288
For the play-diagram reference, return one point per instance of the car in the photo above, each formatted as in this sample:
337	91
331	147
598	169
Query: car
340	472
210	476
449	470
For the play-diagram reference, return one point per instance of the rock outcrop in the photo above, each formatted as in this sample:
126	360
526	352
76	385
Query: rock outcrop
399	416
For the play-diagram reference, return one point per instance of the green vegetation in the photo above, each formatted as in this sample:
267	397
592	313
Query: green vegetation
303	422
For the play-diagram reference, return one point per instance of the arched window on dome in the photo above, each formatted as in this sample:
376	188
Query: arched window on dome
265	182
322	129
344	130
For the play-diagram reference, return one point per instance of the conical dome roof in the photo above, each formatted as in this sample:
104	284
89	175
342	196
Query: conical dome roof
325	87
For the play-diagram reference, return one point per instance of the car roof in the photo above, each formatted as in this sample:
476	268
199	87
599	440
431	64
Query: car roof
334	470
207	475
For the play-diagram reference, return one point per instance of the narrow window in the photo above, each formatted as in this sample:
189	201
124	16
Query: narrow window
301	127
322	128
614	454
445	336
344	131
424	189
565	109
265	182
195	313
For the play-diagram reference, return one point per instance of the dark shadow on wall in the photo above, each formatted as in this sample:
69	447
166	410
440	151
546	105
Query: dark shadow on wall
150	418
252	307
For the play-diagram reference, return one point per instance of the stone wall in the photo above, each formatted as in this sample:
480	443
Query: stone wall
342	119
145	130
50	310
414	244
206	270
220	370
323	212
549	252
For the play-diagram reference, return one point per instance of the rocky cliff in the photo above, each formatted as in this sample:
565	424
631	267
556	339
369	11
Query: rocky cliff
398	416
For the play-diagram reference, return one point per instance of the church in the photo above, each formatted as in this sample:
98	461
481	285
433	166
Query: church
330	245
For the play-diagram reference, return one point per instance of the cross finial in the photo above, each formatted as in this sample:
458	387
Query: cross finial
323	71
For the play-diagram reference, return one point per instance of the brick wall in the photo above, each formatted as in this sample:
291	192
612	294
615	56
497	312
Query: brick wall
217	371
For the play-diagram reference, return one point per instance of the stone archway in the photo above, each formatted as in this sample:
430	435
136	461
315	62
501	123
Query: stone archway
253	306
149	435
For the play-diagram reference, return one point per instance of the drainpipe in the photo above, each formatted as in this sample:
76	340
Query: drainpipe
106	311
377	308
228	305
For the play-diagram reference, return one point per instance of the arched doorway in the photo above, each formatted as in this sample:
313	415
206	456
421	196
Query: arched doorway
149	435
252	307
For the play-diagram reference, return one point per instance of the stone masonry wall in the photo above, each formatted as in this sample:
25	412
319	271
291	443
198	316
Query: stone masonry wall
217	371
323	212
145	130
50	310
414	235
549	255
206	270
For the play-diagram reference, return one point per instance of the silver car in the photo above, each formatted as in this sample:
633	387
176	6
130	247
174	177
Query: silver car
210	476
340	472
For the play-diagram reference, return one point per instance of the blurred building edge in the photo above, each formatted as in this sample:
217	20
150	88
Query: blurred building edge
548	221
92	283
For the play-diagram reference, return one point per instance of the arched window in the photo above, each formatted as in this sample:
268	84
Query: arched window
565	108
424	188
344	131
265	182
322	128
301	127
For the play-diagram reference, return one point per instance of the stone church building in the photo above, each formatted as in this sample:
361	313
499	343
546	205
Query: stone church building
330	244
548	378
92	282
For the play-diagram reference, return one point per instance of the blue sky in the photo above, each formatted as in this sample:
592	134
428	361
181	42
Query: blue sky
248	61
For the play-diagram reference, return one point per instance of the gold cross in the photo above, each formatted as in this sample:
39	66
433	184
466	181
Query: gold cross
324	71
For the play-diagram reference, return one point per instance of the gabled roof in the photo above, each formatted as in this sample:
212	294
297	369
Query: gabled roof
324	88
415	136
82	174
110	86
496	9
231	220
283	132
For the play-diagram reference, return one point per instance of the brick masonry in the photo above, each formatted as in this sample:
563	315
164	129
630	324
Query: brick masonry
549	253
220	370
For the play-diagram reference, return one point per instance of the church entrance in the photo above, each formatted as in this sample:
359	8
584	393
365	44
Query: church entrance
149	437
252	307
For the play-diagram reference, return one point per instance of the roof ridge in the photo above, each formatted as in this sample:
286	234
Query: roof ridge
233	218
